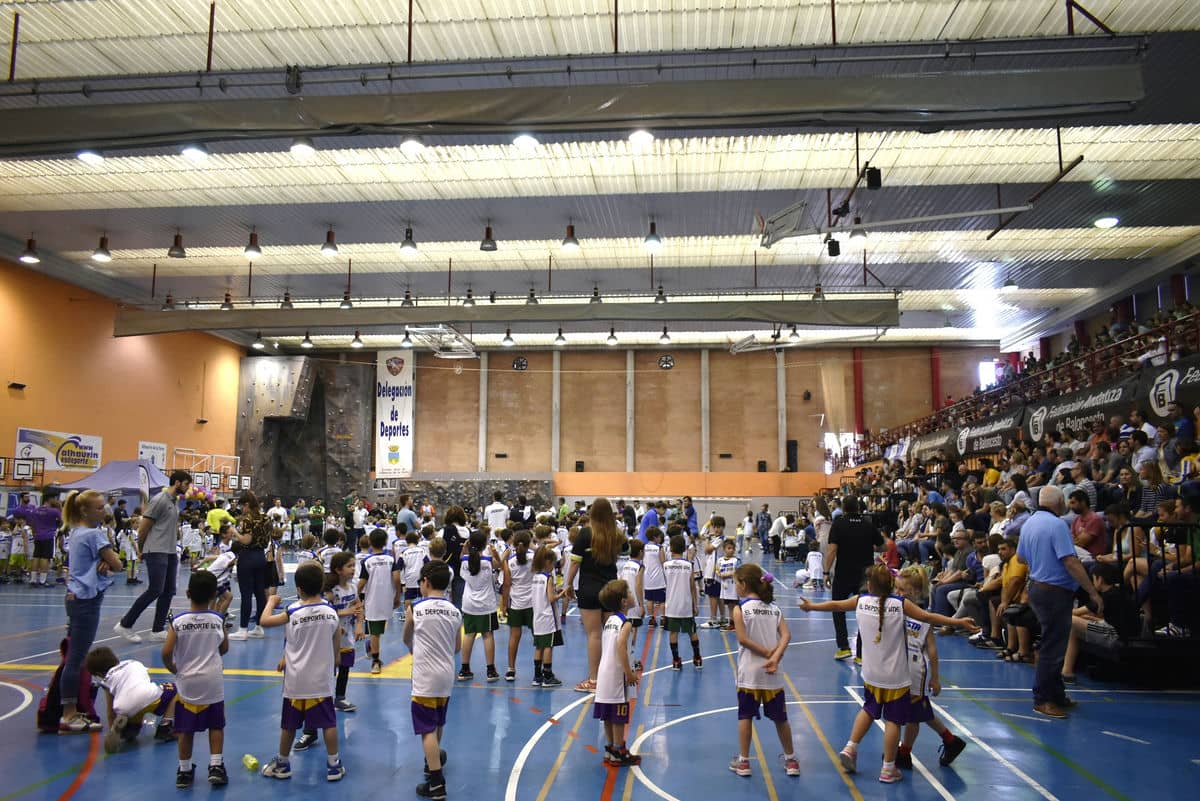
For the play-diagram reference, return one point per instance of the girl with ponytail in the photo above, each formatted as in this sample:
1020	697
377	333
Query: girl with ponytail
886	680
480	567
520	597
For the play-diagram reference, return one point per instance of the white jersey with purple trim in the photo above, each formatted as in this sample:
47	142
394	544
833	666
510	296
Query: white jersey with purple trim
884	648
199	671
308	653
610	676
128	682
678	577
653	562
436	625
628	572
324	555
726	567
918	656
379	594
222	567
344	595
761	620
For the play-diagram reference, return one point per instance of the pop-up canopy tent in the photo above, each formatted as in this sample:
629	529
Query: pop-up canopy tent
129	477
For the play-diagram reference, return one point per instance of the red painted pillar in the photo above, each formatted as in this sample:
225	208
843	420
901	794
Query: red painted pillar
859	416
1081	333
1045	348
935	376
1178	289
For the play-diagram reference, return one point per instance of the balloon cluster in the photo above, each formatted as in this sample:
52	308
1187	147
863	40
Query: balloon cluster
195	493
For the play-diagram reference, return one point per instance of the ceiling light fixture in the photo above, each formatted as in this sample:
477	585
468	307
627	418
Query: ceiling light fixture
303	149
1105	223
570	244
346	304
357	341
409	245
526	143
834	246
195	153
307	342
661	297
408	302
169	303
253	251
411	146
665	339
1009	285
596	295
653	242
102	253
30	254
227	305
794	336
469	300
258	342
508	340
487	244
857	231
287	301
612	337
407	341
818	293
560	340
532	299
176	250
330	247
641	138
92	158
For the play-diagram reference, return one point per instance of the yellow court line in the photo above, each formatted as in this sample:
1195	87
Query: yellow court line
399	669
812	721
758	749
562	754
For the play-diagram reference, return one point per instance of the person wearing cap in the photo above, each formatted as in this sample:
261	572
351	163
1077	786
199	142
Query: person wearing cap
1055	574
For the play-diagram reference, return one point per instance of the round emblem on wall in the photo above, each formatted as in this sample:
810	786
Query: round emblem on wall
520	363
666	362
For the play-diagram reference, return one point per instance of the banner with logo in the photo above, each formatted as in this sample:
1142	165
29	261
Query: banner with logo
77	453
925	447
1159	386
989	435
394	414
1079	410
153	452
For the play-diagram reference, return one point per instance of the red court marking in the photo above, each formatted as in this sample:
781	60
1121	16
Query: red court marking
556	721
591	749
88	764
28	685
610	781
535	710
514	699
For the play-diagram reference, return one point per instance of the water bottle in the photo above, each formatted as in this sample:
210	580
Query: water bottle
250	762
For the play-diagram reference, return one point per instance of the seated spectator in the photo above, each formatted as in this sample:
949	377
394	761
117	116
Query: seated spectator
1143	451
956	576
1119	621
1087	529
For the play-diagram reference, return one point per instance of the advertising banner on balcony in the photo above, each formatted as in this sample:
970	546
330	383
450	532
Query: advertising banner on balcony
926	447
394	414
1158	387
990	434
1079	410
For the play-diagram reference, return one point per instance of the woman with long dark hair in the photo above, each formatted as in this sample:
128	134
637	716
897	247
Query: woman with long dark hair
253	537
455	534
594	559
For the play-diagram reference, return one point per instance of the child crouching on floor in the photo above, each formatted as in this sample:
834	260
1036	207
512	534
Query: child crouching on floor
131	696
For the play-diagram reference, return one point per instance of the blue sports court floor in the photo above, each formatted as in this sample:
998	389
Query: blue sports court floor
510	742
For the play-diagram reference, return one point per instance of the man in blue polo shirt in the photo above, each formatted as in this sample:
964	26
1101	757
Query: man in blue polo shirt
1055	573
653	517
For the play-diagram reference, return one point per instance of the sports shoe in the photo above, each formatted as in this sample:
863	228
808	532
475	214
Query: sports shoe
184	778
304	742
1171	630
342	705
240	634
622	758
858	660
164	732
114	738
904	760
676	664
1050	710
697	662
257	633
492	675
376	667
790	766
890	775
727	626
464	675
159	636
537	681
712	623
276	769
652	623
843	653
442	756
740	766
550	680
335	772
217	776
510	675
128	634
849	761
950	750
430	790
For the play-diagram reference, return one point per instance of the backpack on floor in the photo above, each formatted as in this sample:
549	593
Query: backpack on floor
50	707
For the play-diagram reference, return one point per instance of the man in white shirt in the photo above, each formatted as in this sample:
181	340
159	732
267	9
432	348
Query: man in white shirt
1143	451
496	512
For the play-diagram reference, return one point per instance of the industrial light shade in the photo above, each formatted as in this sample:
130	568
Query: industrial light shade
818	293
169	303
487	244
653	241
508	340
409	245
330	247
357	341
641	138
30	254
407	303
258	342
287	301
307	342
102	253
1105	223
227	305
469	300
176	250
570	244
92	158
794	336
1010	285
532	299
526	143
195	153
407	341
411	146
612	337
303	149
560	340
661	297
252	251
857	231
346	304
596	295
665	339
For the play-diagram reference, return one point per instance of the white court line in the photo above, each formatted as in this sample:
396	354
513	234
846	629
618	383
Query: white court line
1025	777
514	775
1102	731
1074	690
1025	717
26	700
918	764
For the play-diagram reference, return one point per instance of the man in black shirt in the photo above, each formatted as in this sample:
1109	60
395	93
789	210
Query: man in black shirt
853	541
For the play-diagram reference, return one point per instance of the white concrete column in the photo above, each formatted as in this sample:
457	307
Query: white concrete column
555	412
781	408
705	461
629	400
483	410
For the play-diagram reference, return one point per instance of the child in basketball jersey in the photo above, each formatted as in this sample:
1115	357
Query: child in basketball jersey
431	632
712	585
480	603
681	603
333	543
310	646
131	696
306	552
654	583
519	597
727	566
913	584
546	633
5	549
815	562
615	675
881	624
763	638
632	573
411	558
379	586
196	641
220	565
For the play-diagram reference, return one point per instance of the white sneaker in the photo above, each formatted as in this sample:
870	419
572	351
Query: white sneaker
256	632
128	634
240	634
159	636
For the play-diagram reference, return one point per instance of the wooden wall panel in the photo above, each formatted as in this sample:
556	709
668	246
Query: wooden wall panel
742	411
519	412
667	412
897	384
592	410
804	423
446	435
